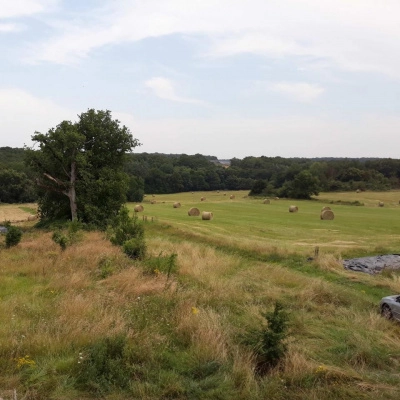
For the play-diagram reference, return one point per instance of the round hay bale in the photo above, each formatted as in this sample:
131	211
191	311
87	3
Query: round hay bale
381	204
224	194
327	215
203	198
153	202
276	198
293	209
32	218
153	195
206	215
325	208
177	205
266	201
232	196
217	191
138	208
194	212
358	191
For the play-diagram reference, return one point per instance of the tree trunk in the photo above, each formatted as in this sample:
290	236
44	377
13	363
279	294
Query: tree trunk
72	193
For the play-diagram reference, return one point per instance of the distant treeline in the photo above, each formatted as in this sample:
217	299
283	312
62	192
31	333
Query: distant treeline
264	176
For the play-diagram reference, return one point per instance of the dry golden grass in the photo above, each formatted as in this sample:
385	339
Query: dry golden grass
14	213
297	363
204	330
132	283
318	293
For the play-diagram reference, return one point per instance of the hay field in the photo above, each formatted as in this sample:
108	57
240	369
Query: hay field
17	212
250	224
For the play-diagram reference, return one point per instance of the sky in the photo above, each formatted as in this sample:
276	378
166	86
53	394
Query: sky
237	78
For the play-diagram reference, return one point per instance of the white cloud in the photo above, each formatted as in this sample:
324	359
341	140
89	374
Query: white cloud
298	91
357	35
19	8
10	27
21	114
164	89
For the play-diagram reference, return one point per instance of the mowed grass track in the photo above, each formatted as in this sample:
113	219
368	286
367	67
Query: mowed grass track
247	222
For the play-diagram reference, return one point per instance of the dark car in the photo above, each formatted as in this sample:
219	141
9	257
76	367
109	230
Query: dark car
390	307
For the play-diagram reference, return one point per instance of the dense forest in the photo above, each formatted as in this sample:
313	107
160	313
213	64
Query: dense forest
263	176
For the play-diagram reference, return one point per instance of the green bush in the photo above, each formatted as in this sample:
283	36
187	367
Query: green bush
59	238
125	228
71	233
135	248
13	235
128	232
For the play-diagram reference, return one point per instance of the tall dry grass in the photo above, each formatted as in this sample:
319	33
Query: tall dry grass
57	302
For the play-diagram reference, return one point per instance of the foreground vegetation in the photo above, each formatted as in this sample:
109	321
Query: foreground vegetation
89	322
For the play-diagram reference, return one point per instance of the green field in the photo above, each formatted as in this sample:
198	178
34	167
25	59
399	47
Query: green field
249	223
88	322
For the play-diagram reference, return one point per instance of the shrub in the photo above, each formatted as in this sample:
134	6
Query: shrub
269	343
125	228
66	237
128	232
13	235
135	248
59	238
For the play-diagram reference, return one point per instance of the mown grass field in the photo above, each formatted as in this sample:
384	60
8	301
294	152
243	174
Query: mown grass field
175	324
248	223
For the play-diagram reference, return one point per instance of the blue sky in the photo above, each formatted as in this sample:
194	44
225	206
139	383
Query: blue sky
290	78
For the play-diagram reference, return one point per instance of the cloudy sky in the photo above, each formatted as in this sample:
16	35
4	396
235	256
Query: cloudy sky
290	78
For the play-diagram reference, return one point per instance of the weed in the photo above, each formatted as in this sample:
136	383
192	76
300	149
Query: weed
104	365
25	361
105	268
162	264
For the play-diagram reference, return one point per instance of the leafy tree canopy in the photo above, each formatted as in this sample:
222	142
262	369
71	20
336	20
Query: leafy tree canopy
78	168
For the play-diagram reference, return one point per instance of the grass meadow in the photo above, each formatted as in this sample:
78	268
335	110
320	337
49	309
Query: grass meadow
88	322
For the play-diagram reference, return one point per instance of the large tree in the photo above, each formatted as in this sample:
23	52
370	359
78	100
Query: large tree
79	168
303	186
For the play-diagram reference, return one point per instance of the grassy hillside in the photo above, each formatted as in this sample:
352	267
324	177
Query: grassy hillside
90	323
